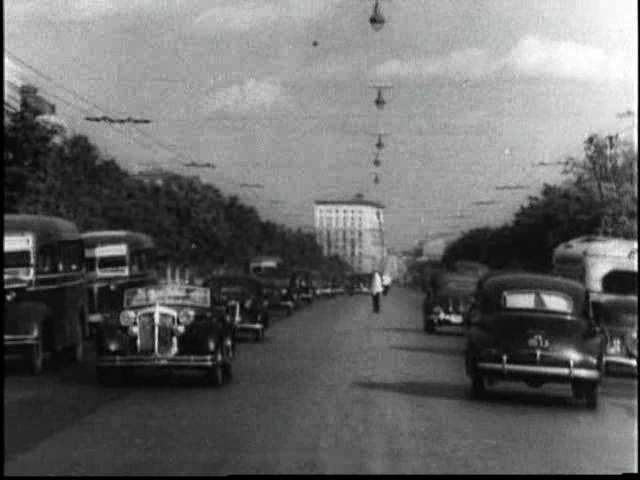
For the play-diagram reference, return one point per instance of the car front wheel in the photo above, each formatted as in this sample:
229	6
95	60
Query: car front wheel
215	373
36	357
478	388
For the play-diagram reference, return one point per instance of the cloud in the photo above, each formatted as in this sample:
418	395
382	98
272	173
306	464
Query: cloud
535	56
249	97
472	62
532	56
246	15
84	10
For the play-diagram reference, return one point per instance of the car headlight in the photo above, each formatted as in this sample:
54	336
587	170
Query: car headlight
212	345
127	318
185	317
284	291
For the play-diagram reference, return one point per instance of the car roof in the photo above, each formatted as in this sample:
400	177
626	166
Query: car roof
525	280
46	228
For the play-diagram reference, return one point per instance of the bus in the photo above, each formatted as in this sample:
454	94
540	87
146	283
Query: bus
115	260
45	308
262	264
605	265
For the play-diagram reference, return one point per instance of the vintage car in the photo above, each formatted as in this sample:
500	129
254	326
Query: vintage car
537	329
169	326
249	306
303	282
280	294
358	283
618	316
448	301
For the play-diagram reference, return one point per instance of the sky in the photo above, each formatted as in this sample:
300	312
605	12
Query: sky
482	90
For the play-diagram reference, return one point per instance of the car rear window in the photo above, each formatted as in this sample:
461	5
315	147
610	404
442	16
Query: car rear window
537	300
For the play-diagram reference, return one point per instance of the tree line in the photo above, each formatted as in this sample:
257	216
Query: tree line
192	222
598	196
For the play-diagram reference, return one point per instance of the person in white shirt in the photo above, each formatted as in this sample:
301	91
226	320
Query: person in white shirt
376	290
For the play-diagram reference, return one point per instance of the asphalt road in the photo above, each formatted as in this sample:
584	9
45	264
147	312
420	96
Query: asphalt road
333	389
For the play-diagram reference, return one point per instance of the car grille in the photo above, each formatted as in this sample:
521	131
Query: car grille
146	333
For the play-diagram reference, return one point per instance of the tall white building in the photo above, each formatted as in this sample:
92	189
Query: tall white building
353	230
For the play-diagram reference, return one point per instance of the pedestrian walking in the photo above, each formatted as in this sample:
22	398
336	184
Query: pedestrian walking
376	290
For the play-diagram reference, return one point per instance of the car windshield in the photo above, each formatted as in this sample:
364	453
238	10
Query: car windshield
119	261
20	259
537	300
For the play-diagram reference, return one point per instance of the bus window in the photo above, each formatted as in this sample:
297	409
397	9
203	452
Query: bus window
116	261
71	256
621	282
46	259
20	259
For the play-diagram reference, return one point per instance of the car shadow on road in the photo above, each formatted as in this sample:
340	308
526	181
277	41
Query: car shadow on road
450	391
400	329
421	331
437	350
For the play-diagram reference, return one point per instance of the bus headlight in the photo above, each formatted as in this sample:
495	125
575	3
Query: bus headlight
127	318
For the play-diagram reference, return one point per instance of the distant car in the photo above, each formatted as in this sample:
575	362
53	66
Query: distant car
245	297
277	289
448	301
537	329
167	326
619	318
358	283
303	282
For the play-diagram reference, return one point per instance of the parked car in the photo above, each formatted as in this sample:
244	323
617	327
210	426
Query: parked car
303	283
358	283
246	298
171	325
277	287
619	318
448	301
537	329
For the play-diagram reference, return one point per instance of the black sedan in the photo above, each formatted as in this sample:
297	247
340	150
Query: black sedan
246	300
537	329
166	326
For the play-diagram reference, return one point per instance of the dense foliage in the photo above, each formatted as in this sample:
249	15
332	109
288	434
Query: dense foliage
598	197
192	222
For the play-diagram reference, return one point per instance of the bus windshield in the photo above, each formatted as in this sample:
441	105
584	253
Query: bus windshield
119	261
20	259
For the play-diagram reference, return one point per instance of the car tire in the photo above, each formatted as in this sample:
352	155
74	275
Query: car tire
591	395
109	376
429	327
216	373
227	372
36	357
78	348
478	386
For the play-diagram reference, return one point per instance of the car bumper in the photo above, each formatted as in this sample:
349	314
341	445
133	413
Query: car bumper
179	361
20	340
96	318
453	319
249	327
519	371
622	365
